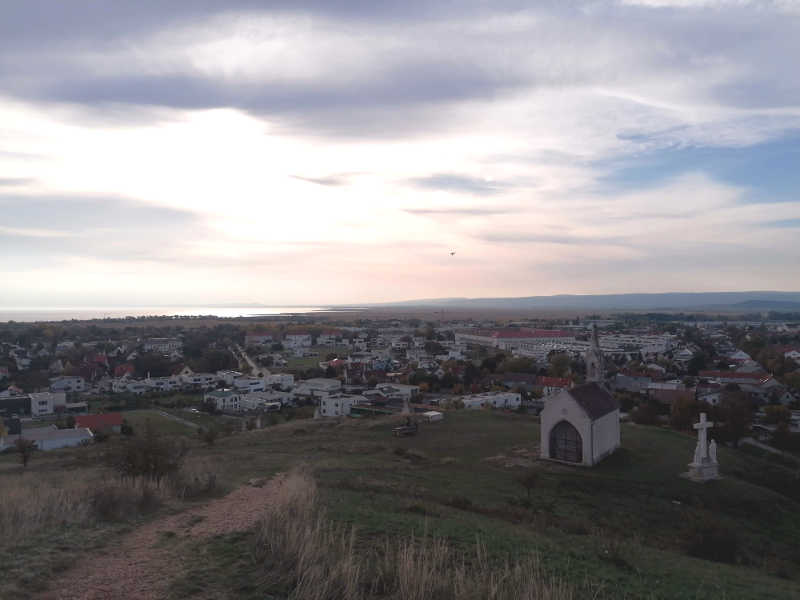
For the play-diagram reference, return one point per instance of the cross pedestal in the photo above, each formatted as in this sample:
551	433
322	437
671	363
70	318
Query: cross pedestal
704	467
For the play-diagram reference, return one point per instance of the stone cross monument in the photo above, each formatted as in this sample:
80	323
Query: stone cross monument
704	466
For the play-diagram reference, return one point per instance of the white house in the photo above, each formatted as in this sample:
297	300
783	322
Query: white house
45	403
318	386
260	400
163	384
227	377
202	380
580	425
297	340
398	391
284	380
507	400
67	384
337	405
249	384
225	400
326	339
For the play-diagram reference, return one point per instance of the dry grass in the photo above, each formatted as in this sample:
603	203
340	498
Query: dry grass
34	501
310	558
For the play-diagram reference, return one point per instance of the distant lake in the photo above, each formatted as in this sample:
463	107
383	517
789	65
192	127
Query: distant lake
39	313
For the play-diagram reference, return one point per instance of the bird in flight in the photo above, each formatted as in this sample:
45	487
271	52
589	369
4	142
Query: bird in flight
452	253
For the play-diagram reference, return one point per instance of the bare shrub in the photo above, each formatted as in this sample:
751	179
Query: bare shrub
151	457
309	558
25	448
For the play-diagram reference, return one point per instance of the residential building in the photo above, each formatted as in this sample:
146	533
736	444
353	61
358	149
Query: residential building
105	423
225	400
67	384
338	405
163	345
297	340
249	384
506	400
46	403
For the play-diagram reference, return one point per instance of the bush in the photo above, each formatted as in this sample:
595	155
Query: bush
151	457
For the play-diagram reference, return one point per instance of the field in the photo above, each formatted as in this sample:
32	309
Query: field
626	529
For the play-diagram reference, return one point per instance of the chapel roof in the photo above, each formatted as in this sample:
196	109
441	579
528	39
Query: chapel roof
594	399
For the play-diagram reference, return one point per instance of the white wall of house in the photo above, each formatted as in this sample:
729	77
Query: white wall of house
45	403
336	405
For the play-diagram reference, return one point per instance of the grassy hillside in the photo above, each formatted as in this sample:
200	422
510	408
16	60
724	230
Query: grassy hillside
627	528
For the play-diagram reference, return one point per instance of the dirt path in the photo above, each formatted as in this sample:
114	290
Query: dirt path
141	566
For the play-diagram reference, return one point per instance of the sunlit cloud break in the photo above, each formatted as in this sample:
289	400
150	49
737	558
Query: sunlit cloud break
322	153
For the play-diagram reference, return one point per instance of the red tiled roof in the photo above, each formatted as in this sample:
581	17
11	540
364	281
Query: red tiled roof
98	421
124	369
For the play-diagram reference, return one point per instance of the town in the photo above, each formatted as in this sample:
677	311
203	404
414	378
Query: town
67	384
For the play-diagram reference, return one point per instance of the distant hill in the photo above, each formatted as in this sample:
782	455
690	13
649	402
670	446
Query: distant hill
748	301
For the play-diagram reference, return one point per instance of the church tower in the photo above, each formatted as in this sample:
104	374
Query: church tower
594	359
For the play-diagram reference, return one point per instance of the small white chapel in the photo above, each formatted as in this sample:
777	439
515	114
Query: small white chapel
580	425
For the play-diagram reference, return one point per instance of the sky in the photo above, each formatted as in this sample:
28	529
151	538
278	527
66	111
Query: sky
245	151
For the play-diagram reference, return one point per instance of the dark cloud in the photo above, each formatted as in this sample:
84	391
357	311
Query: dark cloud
450	182
48	50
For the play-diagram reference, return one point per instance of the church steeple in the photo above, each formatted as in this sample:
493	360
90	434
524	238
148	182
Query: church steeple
594	359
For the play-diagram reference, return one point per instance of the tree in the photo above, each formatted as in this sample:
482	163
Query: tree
696	364
150	456
736	413
683	413
25	449
776	414
559	364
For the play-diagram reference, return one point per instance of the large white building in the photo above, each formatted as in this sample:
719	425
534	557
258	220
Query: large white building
338	405
163	345
506	400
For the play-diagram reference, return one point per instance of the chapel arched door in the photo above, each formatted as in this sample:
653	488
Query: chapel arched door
566	443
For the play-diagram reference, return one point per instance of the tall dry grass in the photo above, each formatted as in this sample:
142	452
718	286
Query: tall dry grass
309	558
37	500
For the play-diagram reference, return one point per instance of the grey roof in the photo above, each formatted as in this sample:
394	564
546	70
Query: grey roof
39	434
594	399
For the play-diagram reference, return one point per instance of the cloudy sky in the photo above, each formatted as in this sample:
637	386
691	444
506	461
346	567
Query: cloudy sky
321	152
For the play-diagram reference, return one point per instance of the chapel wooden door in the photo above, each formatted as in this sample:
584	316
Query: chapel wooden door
565	443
